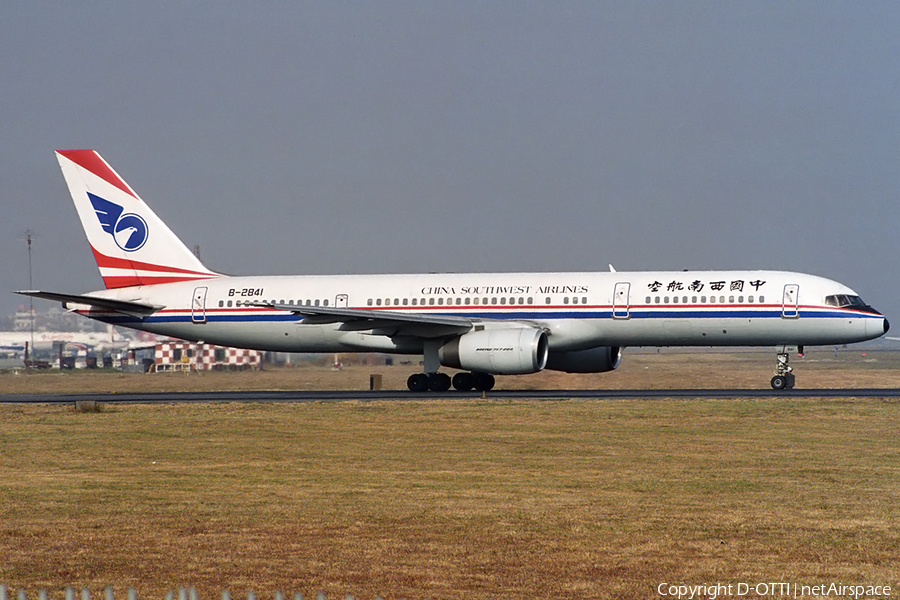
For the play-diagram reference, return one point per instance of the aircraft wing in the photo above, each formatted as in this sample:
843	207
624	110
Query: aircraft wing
375	318
122	306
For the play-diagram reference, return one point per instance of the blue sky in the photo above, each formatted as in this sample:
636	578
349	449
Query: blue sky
362	137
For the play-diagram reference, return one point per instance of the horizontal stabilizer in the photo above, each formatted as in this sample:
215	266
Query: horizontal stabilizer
123	306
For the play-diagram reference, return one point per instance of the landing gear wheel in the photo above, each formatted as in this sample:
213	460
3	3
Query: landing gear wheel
784	378
417	382
438	382
783	382
463	382
483	382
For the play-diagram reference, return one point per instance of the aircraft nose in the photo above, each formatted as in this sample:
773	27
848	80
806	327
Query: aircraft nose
876	328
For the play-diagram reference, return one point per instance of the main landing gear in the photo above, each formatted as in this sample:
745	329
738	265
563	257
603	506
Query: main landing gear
441	382
433	381
784	377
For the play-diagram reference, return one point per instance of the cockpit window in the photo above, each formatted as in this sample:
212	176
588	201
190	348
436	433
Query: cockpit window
842	300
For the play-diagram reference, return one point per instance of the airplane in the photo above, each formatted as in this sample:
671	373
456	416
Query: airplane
44	341
482	323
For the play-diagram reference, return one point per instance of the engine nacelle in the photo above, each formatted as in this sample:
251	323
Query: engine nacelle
592	360
497	351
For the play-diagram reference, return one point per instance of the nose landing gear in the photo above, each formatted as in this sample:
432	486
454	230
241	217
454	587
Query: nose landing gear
784	376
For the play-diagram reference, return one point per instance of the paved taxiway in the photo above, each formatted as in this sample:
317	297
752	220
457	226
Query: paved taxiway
339	396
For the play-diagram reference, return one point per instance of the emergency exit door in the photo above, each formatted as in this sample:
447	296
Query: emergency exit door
198	305
621	300
790	308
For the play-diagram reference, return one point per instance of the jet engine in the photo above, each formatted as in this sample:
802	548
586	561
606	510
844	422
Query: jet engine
498	351
592	360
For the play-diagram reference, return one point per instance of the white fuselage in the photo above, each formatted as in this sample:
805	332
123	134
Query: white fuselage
577	310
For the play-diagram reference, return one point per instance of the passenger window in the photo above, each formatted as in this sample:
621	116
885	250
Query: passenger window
493	301
693	299
584	300
575	300
566	300
325	302
221	303
468	301
317	302
721	299
702	299
440	301
530	300
666	300
502	300
730	299
762	299
740	299
378	302
684	299
750	299
548	300
656	300
415	301
648	300
229	304
431	302
476	300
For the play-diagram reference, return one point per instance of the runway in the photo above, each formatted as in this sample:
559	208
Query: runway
402	395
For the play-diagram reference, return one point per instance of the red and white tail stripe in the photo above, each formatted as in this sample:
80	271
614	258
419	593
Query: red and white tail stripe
117	272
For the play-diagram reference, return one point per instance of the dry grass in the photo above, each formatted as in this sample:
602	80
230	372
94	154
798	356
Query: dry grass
450	499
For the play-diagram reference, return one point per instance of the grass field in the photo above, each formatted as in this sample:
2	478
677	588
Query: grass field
455	498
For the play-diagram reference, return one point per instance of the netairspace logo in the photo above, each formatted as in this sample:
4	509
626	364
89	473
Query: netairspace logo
774	589
129	230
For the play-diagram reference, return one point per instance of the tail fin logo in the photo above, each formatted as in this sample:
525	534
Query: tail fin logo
129	230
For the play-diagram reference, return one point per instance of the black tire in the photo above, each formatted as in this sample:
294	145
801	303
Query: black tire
438	382
417	382
463	382
483	382
779	382
790	381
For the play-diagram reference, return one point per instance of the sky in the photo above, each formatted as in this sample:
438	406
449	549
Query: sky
397	137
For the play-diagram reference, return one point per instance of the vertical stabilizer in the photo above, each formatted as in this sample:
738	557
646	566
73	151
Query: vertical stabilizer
131	244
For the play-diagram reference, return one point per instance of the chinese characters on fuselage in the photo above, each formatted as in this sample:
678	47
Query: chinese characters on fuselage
736	285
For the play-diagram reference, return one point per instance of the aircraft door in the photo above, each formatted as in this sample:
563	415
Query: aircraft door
790	308
198	305
340	301
621	300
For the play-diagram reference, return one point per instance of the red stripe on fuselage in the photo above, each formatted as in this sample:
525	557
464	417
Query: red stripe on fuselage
90	160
